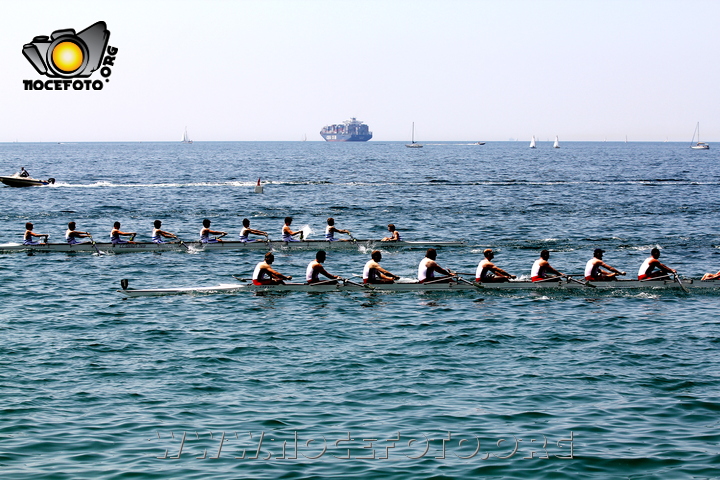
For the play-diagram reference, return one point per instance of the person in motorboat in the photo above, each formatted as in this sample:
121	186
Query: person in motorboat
487	272
205	233
158	235
246	230
23	173
594	268
374	273
72	235
287	234
542	267
116	233
652	268
331	230
264	274
394	234
315	269
29	235
428	267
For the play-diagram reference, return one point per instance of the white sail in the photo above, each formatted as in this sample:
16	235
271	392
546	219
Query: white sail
557	142
186	138
532	142
413	143
699	145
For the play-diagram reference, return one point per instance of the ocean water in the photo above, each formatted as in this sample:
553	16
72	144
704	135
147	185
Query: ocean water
361	385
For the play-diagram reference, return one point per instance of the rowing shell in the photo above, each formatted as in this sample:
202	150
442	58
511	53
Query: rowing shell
228	245
433	287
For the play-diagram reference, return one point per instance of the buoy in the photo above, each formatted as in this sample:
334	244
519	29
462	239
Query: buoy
258	187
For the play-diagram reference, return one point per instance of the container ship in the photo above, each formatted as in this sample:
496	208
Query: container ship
351	130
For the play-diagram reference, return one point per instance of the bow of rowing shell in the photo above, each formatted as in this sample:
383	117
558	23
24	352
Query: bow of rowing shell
225	245
564	285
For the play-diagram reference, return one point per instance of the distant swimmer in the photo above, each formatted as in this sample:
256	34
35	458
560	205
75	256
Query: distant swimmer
287	234
429	267
542	267
72	235
23	173
158	235
116	233
652	268
487	272
265	275
394	234
29	235
374	273
330	231
205	233
246	230
594	268
315	269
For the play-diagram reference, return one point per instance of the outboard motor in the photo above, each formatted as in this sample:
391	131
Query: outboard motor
51	181
124	283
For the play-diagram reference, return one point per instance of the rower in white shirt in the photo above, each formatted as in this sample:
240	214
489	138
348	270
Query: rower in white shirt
428	267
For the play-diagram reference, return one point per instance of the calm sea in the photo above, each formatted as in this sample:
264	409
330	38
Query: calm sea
360	385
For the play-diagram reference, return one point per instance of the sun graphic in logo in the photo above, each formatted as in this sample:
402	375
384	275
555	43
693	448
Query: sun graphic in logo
67	56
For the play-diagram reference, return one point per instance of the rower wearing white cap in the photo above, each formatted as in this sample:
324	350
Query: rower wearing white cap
594	268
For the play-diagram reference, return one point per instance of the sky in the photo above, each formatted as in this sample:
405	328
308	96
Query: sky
279	70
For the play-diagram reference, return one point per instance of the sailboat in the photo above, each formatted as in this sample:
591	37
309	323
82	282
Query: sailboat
412	143
557	142
699	145
532	142
185	138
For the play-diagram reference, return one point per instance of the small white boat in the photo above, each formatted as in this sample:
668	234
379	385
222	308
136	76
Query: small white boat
16	180
186	138
557	142
699	145
413	143
532	142
479	143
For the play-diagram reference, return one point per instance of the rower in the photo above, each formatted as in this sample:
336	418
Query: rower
315	269
428	266
287	234
650	264
158	235
246	230
711	276
374	273
542	267
330	231
71	235
594	268
115	234
394	234
265	275
23	173
487	272
29	234
205	233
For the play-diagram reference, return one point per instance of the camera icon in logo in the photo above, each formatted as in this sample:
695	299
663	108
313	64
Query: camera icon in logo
67	54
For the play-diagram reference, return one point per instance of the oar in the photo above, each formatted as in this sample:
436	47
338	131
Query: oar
363	285
677	279
474	284
92	242
182	244
220	236
585	283
663	277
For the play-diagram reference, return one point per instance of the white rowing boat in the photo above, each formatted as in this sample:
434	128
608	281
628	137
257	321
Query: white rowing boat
461	285
225	245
